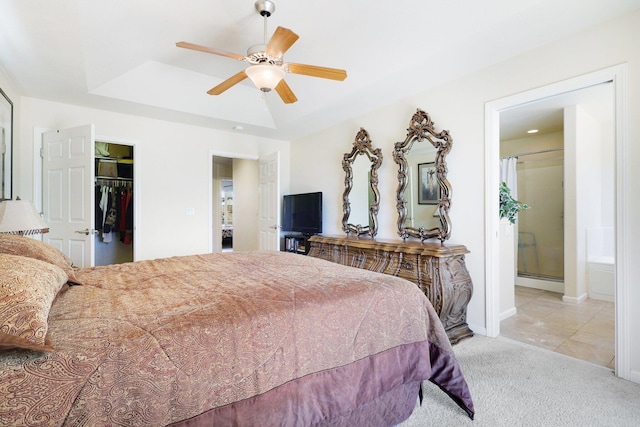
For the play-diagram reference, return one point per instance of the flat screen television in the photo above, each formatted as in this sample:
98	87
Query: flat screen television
302	213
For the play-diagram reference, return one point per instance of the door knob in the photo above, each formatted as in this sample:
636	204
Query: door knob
87	231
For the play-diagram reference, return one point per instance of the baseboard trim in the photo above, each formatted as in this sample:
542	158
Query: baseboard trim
508	313
545	285
575	300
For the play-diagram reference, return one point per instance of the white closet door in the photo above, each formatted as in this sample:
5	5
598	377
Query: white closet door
68	192
269	202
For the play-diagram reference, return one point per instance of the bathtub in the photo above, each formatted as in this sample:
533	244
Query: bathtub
601	280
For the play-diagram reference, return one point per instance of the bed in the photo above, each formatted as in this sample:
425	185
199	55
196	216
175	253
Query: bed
241	338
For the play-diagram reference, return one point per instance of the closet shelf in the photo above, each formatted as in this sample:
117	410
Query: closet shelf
115	159
111	178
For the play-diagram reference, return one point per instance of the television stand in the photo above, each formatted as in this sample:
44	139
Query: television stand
296	243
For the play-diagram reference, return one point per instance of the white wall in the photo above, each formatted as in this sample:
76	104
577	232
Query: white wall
459	107
173	166
583	185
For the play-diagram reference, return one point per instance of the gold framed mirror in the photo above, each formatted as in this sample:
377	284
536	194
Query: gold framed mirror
424	193
361	198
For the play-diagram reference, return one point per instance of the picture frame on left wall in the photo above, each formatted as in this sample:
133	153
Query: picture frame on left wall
6	145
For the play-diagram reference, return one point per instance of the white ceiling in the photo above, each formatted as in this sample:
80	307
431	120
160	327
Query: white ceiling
120	55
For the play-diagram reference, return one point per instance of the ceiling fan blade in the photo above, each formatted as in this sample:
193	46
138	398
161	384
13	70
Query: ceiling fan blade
210	50
280	42
285	92
315	71
235	79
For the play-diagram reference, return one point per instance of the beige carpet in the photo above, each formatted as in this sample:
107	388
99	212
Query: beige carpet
515	384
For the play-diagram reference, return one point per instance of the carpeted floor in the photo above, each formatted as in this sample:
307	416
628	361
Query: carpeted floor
515	384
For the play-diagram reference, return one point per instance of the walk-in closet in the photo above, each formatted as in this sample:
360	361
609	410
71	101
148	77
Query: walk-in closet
113	203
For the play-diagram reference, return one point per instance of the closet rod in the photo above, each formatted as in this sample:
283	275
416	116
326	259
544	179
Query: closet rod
117	182
531	153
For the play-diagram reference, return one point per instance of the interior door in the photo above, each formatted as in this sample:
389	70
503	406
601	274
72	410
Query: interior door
67	192
269	202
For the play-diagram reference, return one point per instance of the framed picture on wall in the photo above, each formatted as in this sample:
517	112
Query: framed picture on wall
428	188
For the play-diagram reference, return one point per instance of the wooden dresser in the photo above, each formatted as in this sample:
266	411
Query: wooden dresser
438	270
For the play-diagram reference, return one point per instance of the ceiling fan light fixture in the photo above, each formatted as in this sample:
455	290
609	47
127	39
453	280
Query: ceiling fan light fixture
265	76
267	69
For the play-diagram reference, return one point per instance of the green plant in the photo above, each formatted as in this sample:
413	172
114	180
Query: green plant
509	207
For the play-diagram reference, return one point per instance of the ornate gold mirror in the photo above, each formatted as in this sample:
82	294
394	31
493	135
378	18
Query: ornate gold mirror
424	194
361	198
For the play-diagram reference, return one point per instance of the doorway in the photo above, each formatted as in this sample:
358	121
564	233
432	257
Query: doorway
222	203
256	200
226	203
113	206
533	139
234	204
493	110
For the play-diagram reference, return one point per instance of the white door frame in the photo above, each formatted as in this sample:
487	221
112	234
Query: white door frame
618	75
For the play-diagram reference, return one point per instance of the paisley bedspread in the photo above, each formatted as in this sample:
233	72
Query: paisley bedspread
260	338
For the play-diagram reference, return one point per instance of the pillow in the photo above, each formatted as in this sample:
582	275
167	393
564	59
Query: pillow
31	248
27	289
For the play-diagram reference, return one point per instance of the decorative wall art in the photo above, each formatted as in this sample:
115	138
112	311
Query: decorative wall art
428	188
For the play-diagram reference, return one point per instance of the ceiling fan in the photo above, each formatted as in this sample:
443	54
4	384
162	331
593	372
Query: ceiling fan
267	67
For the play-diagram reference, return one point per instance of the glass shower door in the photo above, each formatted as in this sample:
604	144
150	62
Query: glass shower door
541	228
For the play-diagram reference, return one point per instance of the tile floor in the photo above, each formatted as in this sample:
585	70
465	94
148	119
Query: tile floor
584	331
